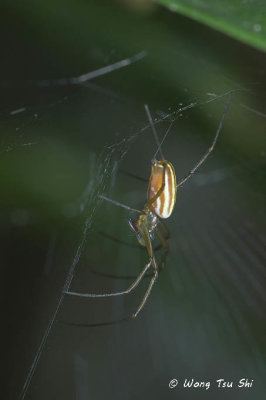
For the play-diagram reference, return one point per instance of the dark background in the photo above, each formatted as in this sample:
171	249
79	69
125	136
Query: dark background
205	318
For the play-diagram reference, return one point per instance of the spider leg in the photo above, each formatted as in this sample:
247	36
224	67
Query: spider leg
111	276
124	243
148	244
121	277
116	240
148	291
128	290
162	237
116	203
158	194
208	152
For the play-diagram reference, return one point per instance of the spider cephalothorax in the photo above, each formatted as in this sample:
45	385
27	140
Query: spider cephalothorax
146	222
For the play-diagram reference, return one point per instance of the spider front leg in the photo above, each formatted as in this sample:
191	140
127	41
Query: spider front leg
210	149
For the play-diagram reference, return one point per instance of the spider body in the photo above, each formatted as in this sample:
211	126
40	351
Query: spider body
161	198
162	181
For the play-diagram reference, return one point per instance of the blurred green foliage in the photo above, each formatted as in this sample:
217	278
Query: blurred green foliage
244	20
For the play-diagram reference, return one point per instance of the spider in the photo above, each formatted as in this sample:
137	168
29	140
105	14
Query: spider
161	199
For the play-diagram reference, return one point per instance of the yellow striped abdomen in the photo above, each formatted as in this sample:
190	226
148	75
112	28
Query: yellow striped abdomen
163	206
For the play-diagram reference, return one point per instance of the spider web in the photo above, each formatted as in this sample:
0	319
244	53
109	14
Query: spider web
101	176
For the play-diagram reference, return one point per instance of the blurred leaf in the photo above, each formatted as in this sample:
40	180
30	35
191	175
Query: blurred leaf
242	19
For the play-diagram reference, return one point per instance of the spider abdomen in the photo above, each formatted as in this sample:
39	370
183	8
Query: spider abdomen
163	205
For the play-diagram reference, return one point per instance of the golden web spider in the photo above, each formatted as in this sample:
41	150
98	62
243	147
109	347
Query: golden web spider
161	198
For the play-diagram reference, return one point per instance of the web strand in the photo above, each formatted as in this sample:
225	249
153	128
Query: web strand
154	131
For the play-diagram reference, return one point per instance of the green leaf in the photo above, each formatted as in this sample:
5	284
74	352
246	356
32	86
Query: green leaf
244	20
